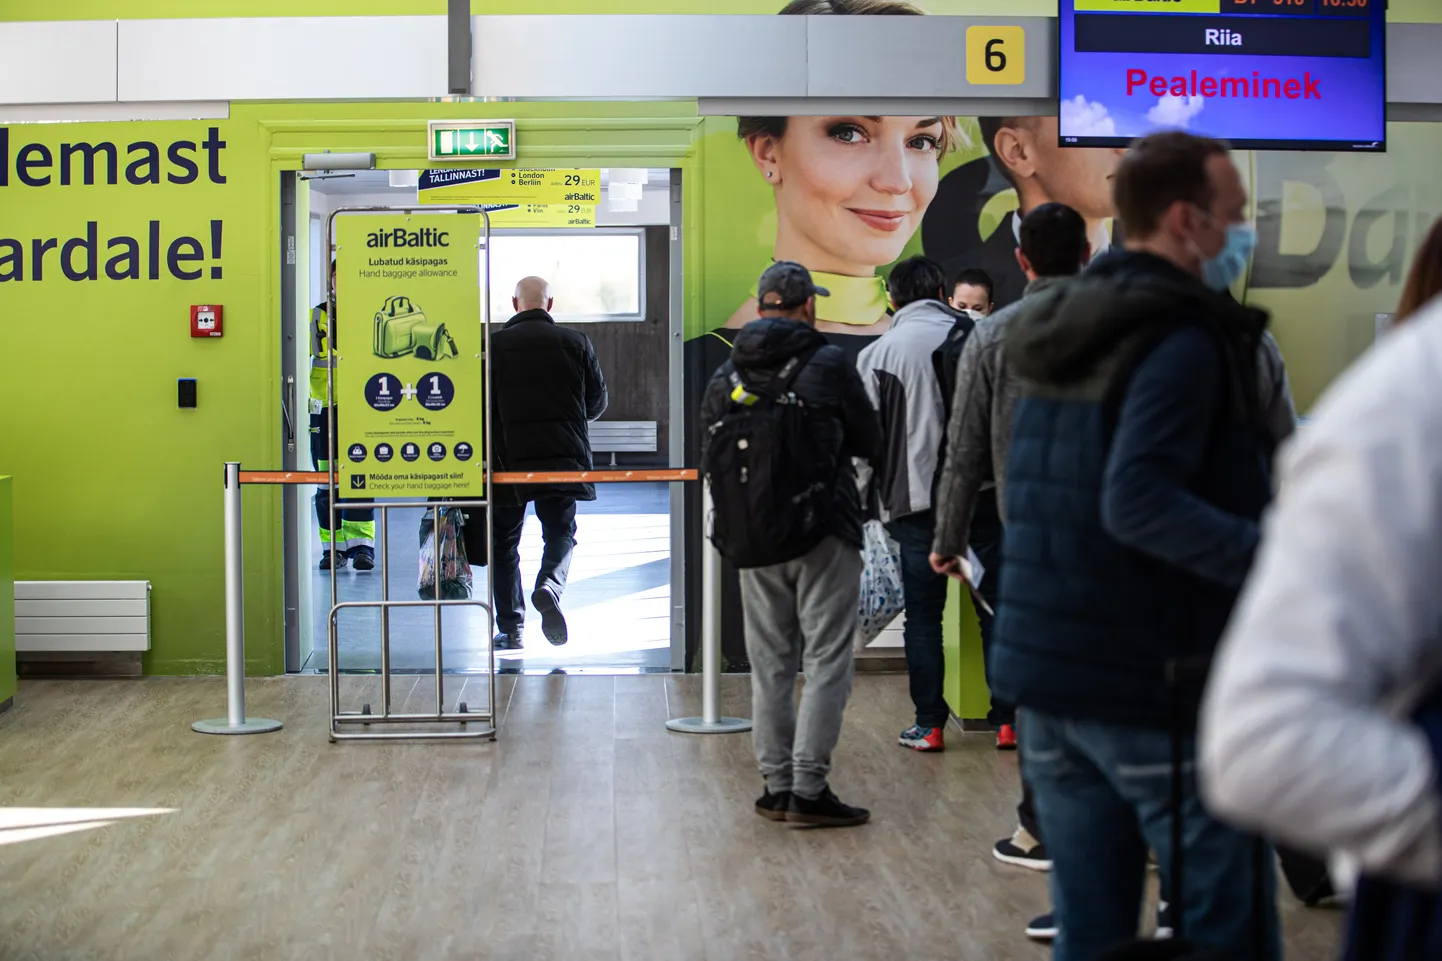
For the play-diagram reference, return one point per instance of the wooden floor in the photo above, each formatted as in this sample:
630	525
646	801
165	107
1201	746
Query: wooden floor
587	832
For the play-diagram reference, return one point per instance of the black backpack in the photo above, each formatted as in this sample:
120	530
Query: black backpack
944	362
770	480
946	358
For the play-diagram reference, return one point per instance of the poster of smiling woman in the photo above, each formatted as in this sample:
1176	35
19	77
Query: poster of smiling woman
849	196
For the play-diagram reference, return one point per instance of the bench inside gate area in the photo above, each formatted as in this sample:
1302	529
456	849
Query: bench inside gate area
623	437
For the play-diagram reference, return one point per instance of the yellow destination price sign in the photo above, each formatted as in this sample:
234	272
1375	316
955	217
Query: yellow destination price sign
544	215
510	186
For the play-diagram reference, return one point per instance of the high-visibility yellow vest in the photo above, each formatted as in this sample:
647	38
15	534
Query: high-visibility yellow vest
321	359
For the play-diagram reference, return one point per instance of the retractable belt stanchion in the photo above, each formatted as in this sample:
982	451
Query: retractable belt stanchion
710	721
235	721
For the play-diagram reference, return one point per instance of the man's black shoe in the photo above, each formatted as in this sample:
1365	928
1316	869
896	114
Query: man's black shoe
825	811
553	622
773	806
507	642
331	557
363	559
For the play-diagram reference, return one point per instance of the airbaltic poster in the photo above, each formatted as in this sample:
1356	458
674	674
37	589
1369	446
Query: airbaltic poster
408	356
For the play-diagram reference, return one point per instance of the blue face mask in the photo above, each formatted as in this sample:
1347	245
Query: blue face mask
1230	263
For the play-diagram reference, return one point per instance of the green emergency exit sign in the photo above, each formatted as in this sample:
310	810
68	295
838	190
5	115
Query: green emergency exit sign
463	139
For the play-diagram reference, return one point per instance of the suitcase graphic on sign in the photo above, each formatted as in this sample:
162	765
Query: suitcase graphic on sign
401	328
395	327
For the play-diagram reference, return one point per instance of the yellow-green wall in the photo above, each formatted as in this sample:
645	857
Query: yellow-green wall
111	479
7	595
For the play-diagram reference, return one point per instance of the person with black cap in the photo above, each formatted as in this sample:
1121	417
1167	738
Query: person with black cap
781	422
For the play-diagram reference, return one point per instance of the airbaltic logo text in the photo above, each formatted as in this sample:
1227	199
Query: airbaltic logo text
400	237
1256	87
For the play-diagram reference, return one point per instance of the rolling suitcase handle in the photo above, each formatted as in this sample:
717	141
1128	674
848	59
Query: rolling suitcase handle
1179	674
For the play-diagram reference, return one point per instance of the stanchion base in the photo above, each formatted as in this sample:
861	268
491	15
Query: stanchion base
251	725
699	725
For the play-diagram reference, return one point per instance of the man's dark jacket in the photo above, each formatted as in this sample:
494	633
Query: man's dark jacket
841	413
548	387
1138	470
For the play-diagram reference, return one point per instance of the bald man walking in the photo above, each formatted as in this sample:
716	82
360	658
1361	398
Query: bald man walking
546	388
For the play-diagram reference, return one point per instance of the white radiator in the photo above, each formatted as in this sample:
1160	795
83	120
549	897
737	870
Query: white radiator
82	616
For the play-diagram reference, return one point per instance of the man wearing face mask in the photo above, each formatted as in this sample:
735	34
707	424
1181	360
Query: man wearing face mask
1138	469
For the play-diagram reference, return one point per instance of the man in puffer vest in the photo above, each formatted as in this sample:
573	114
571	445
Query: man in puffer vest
1138	469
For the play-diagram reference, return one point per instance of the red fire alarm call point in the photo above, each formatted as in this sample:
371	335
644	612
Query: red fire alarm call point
206	320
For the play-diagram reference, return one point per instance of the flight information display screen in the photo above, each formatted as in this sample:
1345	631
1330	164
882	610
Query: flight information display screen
1261	74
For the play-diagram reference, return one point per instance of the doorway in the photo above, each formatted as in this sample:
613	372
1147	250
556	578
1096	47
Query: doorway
618	283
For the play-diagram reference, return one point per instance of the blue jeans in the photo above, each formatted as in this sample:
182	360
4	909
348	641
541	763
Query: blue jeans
925	594
1103	796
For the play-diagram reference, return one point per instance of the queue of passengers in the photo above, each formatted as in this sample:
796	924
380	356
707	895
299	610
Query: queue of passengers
1104	448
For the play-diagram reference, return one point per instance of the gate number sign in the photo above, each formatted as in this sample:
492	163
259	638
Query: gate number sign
995	55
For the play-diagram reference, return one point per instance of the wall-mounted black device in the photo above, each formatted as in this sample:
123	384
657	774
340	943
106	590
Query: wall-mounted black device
187	391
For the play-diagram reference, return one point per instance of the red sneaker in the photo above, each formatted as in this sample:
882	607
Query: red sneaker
923	739
1006	738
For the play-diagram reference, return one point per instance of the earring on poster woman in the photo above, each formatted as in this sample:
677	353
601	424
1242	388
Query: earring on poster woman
768	174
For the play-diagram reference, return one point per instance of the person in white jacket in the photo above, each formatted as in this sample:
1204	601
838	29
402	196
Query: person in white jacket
1338	635
899	371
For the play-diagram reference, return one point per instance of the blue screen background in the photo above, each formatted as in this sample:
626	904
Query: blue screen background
1352	109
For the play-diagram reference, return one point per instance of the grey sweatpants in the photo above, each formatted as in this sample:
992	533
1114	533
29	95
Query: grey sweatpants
800	616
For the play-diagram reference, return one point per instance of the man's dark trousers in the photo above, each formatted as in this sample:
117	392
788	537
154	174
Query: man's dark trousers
558	533
925	594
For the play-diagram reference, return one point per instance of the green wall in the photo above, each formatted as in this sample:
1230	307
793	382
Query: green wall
7	594
111	479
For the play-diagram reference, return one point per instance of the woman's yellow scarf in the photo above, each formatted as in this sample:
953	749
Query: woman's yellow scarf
856	301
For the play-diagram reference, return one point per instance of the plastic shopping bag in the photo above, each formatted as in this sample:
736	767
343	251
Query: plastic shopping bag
445	553
881	593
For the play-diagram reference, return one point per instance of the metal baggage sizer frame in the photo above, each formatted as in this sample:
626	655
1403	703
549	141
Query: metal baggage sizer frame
472	724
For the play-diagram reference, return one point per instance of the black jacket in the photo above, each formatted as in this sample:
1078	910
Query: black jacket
547	388
1138	470
828	384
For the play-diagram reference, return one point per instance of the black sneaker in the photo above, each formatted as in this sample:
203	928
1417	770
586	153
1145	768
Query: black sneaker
1042	928
332	557
773	806
507	642
1022	850
553	622
1164	922
825	811
364	559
